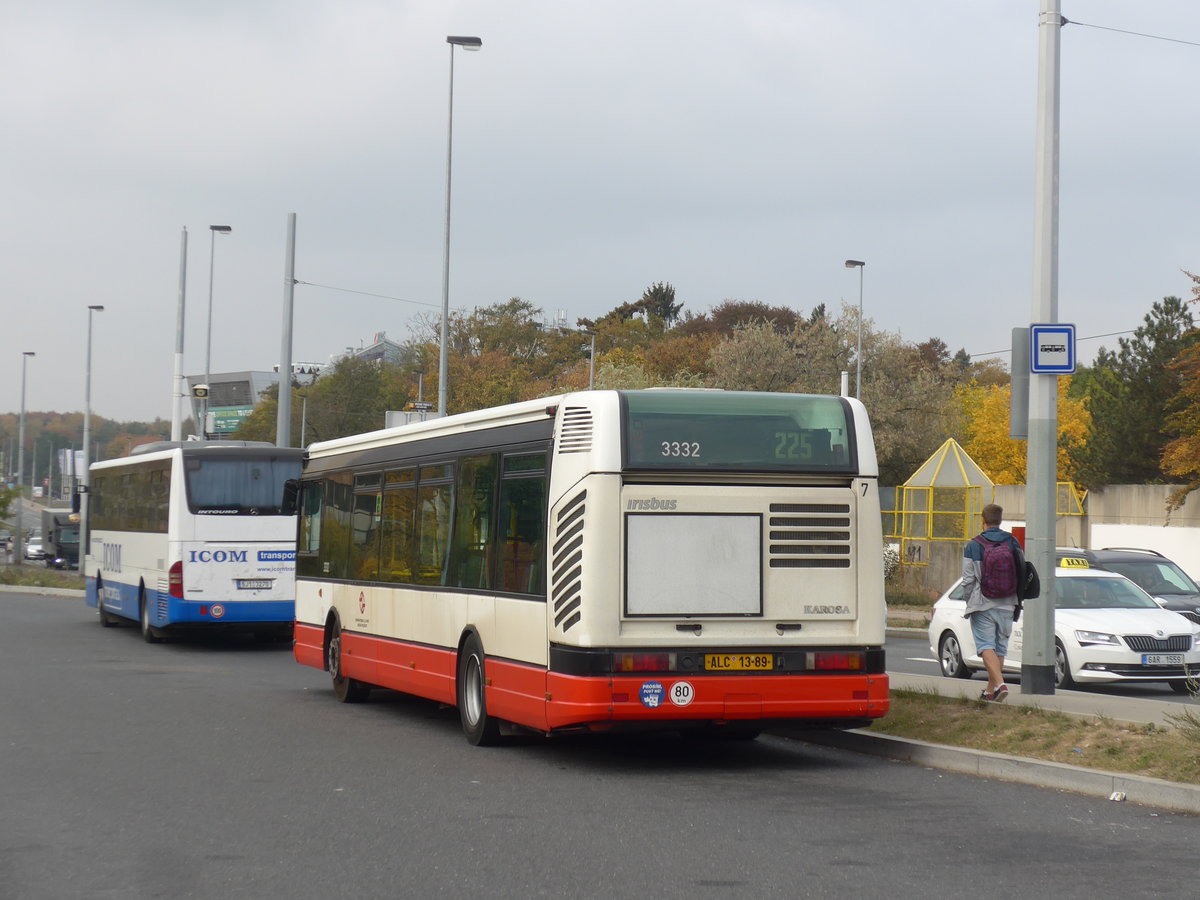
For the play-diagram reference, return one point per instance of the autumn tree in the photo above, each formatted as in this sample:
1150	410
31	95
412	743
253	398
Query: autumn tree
728	315
1181	454
985	433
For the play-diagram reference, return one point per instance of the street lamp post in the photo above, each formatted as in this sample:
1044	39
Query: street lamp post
860	265
19	546
467	43
212	248
85	476
592	360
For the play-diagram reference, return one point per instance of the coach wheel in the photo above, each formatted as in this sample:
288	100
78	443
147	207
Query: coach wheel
150	634
1062	668
106	621
950	657
347	690
480	728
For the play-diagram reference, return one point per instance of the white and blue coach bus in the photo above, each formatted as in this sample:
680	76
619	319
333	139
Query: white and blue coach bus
192	534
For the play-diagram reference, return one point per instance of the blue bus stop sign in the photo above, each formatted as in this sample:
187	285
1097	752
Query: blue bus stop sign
1052	349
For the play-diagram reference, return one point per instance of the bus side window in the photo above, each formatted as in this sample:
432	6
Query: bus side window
474	532
396	527
335	526
309	540
435	502
364	523
523	525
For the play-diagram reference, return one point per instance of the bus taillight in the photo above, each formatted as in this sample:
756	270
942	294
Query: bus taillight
641	662
837	660
175	580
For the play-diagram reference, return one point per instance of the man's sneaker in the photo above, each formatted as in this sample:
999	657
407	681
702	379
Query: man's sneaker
1000	694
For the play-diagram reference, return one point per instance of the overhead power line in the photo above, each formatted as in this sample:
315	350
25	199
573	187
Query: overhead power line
1153	37
331	287
1090	337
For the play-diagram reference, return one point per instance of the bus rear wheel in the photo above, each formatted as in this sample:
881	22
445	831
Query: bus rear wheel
347	690
481	729
150	634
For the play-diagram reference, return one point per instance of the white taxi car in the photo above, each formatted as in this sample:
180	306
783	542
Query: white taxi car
1107	630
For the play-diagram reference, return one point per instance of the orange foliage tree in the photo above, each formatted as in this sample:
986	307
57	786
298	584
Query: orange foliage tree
985	418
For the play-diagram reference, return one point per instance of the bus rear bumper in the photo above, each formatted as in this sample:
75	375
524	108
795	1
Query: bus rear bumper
652	700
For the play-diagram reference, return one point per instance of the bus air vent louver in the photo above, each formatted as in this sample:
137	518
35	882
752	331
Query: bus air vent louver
566	558
809	536
576	433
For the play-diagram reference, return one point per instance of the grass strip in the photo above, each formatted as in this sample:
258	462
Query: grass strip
1170	753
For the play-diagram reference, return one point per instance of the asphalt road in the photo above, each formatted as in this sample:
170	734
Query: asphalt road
220	768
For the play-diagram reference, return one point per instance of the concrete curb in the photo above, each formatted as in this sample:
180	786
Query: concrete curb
1057	776
43	591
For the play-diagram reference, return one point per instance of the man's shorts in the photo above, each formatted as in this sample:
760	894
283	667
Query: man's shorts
991	629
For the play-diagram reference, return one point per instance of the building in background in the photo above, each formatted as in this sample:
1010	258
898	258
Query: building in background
232	396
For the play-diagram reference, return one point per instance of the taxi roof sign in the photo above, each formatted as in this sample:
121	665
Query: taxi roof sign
1074	562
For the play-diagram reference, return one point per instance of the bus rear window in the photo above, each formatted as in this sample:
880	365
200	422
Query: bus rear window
714	430
238	487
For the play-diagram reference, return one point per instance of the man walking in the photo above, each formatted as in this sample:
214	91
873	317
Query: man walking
990	583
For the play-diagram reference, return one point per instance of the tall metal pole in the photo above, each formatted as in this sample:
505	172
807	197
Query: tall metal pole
19	546
283	422
86	477
215	229
860	265
177	392
1037	654
467	43
592	364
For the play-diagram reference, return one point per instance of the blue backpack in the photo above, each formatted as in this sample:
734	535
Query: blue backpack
999	577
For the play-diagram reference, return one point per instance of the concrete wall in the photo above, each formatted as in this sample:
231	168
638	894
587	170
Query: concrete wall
1128	515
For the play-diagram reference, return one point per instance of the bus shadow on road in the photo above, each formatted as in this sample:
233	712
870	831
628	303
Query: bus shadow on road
629	752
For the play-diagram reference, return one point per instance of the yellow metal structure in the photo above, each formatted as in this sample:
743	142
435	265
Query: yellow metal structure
944	501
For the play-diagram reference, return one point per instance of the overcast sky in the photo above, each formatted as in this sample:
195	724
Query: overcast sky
739	149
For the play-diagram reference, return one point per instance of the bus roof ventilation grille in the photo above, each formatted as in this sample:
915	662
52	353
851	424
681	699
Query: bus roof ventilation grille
576	433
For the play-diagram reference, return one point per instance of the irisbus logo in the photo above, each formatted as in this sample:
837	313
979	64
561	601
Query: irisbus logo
218	556
653	503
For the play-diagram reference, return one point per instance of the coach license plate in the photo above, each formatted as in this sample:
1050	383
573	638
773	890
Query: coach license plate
253	584
738	662
1162	659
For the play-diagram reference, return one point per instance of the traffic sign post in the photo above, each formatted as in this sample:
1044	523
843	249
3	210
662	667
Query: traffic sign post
1052	349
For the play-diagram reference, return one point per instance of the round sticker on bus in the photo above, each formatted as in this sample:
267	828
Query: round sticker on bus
217	610
682	693
652	694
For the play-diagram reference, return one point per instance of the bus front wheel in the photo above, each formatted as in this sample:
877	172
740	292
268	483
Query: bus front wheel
106	621
346	689
480	728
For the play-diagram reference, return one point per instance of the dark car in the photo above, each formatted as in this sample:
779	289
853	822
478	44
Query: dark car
1148	569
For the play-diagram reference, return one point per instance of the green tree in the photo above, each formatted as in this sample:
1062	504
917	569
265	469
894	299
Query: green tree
658	301
1128	393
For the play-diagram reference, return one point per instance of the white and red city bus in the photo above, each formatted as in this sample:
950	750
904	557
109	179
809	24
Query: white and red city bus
686	559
